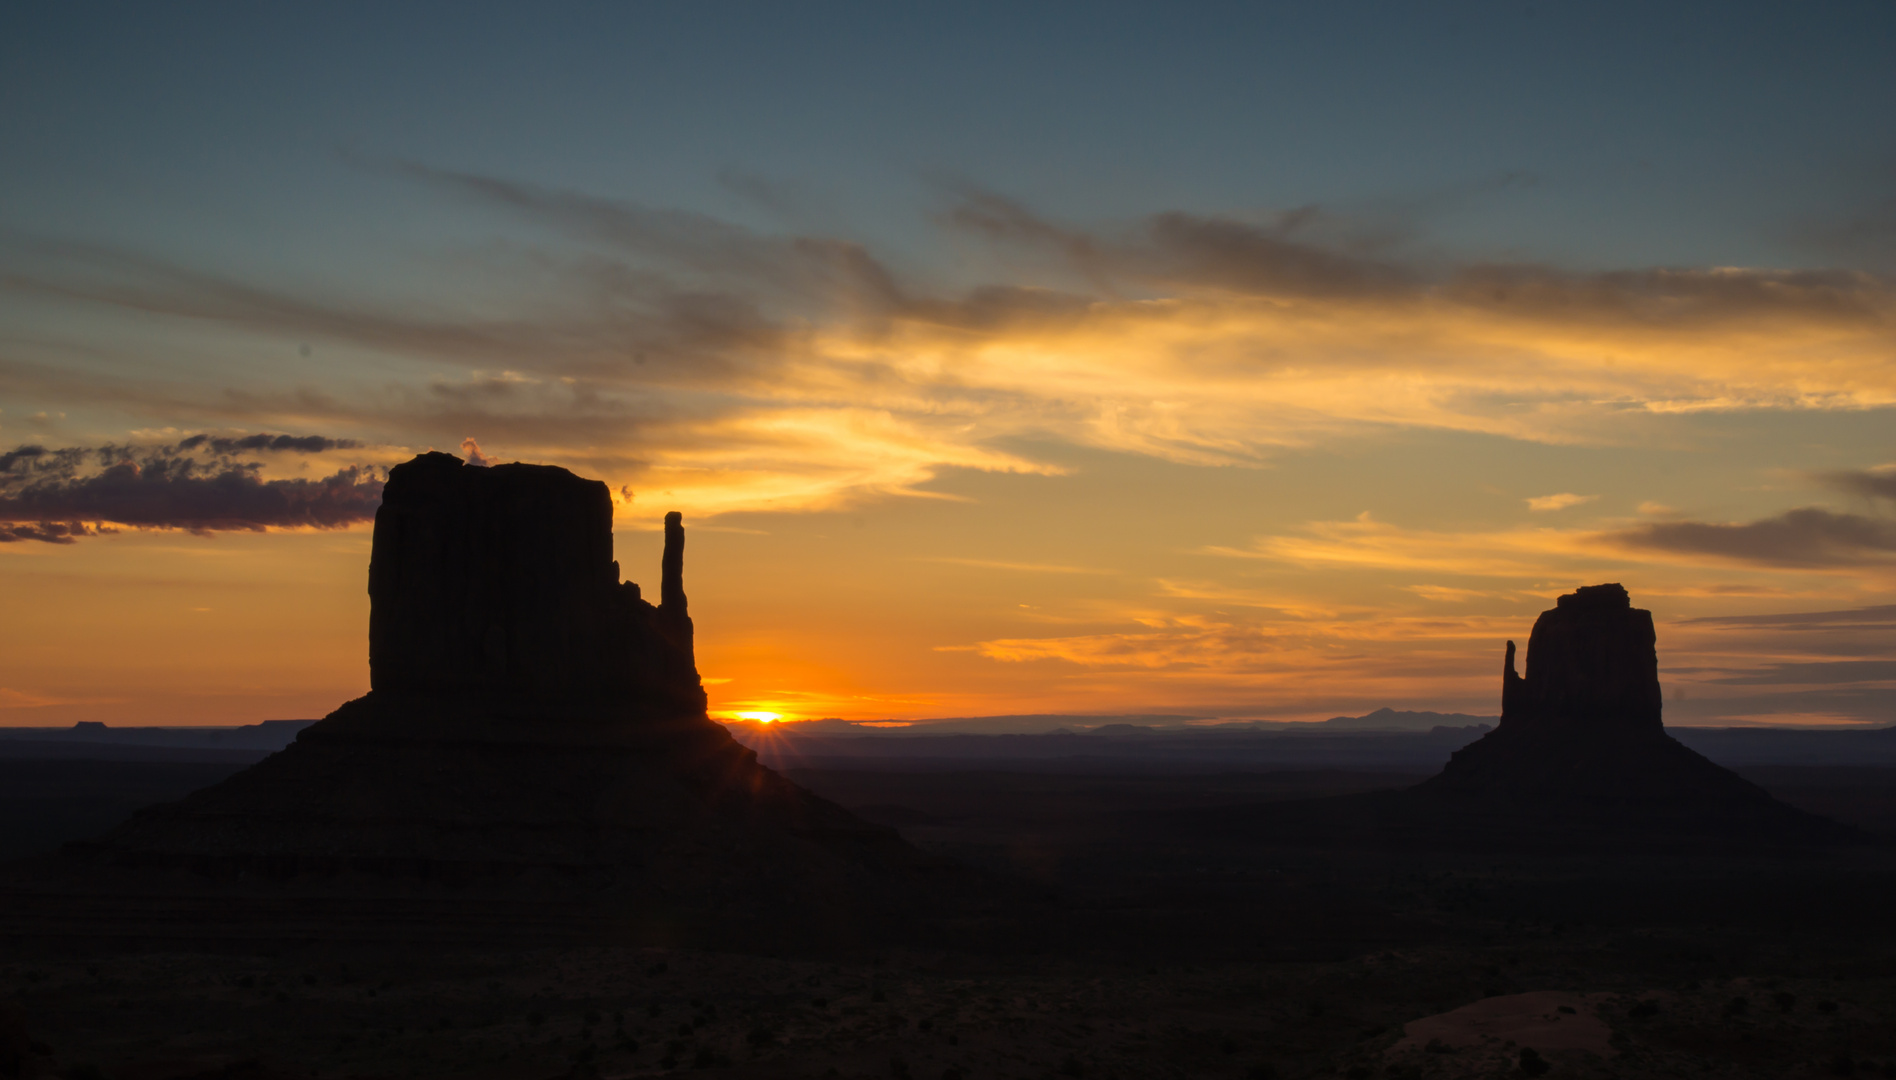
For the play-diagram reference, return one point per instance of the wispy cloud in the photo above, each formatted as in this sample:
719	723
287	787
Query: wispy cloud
1366	543
1447	595
1558	502
1812	672
20	699
1271	662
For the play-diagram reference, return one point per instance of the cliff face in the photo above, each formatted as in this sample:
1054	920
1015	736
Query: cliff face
501	580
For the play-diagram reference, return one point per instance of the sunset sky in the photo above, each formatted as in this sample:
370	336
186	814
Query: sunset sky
1229	361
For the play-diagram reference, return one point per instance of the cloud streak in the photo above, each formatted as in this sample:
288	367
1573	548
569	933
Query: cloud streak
1813	672
1366	544
1880	616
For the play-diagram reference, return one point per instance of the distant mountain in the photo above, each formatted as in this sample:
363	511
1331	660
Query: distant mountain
97	741
1386	719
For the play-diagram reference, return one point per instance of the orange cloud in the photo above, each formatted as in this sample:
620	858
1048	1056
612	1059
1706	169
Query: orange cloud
1558	502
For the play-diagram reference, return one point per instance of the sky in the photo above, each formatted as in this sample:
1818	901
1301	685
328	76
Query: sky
1239	362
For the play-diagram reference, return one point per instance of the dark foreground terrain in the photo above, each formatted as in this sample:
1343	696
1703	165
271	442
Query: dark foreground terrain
1149	949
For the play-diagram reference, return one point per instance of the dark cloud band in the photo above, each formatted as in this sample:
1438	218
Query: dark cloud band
1806	537
55	496
305	444
1877	483
48	532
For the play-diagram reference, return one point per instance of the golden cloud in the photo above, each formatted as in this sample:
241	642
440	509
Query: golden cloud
736	370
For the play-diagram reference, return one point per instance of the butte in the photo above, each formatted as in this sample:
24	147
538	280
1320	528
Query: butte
1581	749
1580	761
532	762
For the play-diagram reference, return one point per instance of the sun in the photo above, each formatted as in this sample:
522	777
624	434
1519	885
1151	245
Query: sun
760	717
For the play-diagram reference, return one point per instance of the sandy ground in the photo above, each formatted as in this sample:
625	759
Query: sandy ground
591	1013
1545	1020
1490	1033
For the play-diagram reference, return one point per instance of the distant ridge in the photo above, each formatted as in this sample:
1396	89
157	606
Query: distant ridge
1125	724
1387	719
1116	748
267	735
1009	724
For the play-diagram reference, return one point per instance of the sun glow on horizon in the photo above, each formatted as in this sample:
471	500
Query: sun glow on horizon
759	717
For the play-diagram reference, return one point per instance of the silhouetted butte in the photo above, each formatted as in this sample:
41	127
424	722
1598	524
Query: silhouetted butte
1581	746
1580	757
533	759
